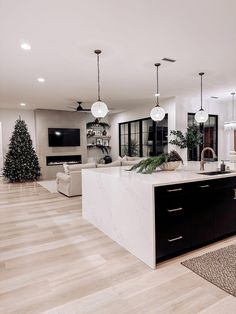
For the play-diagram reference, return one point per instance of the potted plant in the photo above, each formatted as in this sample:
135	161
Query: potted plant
190	140
134	149
170	161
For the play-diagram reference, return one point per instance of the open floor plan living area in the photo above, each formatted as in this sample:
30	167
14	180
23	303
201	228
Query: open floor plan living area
117	157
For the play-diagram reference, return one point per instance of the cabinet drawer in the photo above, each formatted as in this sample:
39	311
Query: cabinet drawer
172	204
177	190
172	190
172	242
173	232
225	183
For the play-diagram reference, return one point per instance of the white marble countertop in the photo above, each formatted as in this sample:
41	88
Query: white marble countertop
159	178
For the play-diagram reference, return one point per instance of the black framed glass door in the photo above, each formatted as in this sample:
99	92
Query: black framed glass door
143	137
209	130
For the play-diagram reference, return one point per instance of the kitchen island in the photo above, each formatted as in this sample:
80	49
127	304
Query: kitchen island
160	215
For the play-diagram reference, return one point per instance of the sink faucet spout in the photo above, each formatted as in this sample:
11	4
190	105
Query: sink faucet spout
202	162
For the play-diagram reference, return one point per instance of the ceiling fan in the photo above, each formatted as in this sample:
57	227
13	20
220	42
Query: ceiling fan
79	108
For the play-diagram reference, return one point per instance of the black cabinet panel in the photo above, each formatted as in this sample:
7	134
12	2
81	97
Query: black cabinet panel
191	214
225	211
173	232
202	214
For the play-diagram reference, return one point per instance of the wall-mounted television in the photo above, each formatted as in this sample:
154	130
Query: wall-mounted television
58	137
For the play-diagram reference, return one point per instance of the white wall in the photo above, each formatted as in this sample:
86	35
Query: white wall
55	118
8	118
138	113
177	109
185	105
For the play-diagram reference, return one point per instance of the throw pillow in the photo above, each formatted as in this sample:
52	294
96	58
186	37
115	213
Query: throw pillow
66	170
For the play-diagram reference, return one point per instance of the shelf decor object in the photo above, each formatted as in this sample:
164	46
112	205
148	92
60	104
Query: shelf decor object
201	115
231	125
97	123
157	113
99	108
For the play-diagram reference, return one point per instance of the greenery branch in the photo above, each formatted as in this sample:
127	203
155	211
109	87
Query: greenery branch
192	138
149	165
104	125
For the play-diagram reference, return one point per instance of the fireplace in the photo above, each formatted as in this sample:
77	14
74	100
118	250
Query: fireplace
59	160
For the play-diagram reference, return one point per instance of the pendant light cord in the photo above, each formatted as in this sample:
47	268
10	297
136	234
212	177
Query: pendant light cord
201	74
233	111
201	92
99	98
157	100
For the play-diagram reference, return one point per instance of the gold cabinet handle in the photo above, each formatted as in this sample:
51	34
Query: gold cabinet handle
234	194
175	209
175	239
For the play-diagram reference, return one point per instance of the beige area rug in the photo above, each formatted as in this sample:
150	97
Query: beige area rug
49	185
218	267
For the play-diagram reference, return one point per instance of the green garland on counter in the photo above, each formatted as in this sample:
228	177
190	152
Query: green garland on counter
149	165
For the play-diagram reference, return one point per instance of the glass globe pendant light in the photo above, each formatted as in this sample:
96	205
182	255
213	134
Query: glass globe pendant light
231	125
201	115
157	113
99	108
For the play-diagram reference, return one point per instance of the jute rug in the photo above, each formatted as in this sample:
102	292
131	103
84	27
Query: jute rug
218	267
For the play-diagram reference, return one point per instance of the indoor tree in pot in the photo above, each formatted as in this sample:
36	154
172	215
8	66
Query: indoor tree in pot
190	140
21	162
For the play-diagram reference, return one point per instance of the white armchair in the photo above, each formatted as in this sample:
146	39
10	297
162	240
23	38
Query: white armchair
70	183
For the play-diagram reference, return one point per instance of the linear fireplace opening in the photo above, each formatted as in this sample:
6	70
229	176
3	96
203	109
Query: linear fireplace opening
60	160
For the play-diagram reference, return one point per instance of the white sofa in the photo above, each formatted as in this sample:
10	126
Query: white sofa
69	182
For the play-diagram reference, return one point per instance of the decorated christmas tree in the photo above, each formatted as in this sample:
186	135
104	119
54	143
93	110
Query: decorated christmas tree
21	162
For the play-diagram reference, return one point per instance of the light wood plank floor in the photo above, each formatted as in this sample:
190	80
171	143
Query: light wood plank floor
52	261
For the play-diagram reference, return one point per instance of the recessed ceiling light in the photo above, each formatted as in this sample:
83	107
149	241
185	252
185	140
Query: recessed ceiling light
22	104
41	79
25	46
157	95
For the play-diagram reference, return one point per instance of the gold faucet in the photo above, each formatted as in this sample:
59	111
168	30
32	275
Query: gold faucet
202	162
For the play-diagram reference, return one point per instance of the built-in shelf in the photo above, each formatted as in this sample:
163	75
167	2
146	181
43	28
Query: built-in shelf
105	137
96	138
98	146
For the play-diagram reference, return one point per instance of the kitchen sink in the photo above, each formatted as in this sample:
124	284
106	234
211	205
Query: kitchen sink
214	173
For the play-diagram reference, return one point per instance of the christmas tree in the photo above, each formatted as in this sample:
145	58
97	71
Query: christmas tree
21	162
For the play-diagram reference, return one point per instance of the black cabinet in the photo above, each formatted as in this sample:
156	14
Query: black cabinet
202	217
225	210
172	223
191	214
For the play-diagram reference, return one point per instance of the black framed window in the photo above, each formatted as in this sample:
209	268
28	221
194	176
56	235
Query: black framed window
143	137
209	129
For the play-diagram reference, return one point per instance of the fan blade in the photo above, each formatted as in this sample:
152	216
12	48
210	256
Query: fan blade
71	107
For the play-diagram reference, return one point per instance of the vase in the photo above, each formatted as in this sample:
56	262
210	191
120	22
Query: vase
170	166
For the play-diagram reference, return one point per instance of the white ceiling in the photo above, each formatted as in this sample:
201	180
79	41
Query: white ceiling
133	34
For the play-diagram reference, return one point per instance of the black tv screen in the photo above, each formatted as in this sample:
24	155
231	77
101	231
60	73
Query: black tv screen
63	137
